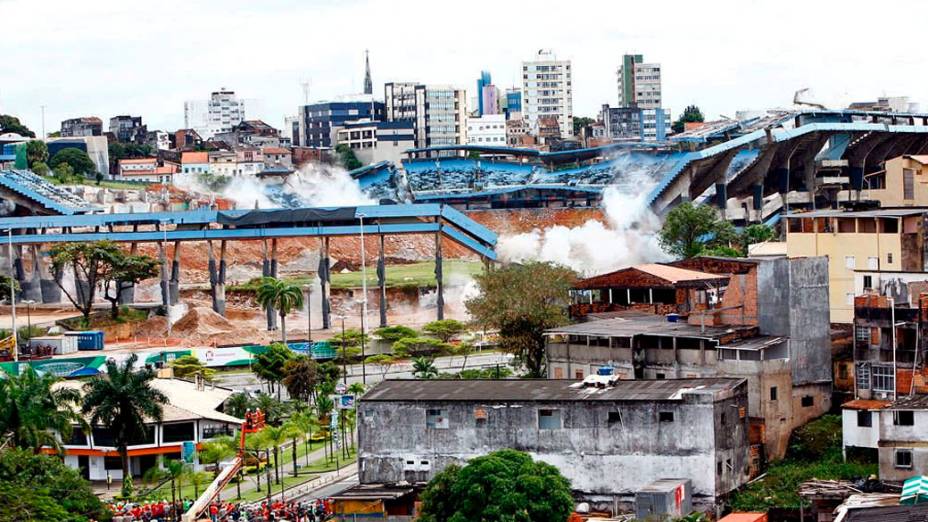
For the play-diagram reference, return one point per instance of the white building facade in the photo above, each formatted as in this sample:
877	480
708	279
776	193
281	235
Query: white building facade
220	113
441	115
489	129
547	91
639	83
896	430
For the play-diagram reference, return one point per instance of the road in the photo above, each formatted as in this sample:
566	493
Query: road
249	382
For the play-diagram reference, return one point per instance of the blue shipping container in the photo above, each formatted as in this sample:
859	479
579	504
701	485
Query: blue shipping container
89	340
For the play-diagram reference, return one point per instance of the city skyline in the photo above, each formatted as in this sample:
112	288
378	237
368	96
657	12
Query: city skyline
99	61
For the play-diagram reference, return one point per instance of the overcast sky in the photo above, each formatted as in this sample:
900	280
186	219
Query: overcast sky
140	57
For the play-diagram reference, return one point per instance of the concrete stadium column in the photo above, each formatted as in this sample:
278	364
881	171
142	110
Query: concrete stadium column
174	286
440	285
19	272
221	285
127	293
382	282
267	271
808	172
758	199
721	196
48	280
219	302
165	274
324	284
32	287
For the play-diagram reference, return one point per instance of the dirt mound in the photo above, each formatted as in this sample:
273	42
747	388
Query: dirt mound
202	321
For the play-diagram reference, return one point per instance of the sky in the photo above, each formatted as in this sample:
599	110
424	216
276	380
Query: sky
107	57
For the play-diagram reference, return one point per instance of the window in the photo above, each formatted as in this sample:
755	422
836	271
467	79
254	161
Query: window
665	416
903	418
842	371
614	418
889	258
849	298
549	419
807	401
578	374
850	262
724	418
177	432
863	376
883	379
718	468
773	393
908	184
660	376
873	263
902	458
862	334
868	282
864	419
437	419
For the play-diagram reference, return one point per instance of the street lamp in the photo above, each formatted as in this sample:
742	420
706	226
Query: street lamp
29	303
363	300
309	322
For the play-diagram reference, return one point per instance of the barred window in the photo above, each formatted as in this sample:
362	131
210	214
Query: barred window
863	376
863	334
883	379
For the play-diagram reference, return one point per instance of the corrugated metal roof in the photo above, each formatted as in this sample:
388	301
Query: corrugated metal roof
527	390
638	324
883	212
915	402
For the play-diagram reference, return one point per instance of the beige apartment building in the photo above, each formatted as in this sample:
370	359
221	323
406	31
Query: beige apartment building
881	242
902	183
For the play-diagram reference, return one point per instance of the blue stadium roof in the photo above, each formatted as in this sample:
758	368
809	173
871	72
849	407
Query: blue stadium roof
51	199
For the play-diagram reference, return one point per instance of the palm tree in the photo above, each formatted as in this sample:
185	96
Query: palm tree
121	401
217	450
281	296
33	410
237	404
324	407
306	422
424	368
169	469
275	436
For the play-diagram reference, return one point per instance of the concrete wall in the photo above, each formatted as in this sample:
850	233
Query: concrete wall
599	458
859	436
799	310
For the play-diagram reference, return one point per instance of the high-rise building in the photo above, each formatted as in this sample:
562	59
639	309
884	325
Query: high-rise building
482	82
547	92
441	115
639	83
513	102
220	113
489	100
368	84
400	101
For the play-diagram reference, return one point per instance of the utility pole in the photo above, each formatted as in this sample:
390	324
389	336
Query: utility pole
44	136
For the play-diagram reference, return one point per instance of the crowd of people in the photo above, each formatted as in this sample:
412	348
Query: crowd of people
164	511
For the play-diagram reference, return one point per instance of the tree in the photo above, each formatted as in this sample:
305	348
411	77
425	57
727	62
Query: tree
33	410
424	368
5	283
40	169
300	377
122	401
270	365
189	366
275	436
691	114
118	151
521	301
381	362
756	233
418	346
64	174
237	404
216	450
36	152
444	329
76	158
43	488
464	350
12	124
306	422
281	296
97	263
346	157
126	271
504	485
391	334
169	469
691	229
274	409
580	122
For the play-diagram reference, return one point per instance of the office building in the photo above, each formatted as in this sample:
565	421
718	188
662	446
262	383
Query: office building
441	116
223	111
639	83
489	129
513	107
376	141
609	437
547	92
400	101
318	121
86	126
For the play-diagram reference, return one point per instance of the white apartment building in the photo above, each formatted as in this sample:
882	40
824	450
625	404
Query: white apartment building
547	91
639	83
895	430
489	129
441	115
219	114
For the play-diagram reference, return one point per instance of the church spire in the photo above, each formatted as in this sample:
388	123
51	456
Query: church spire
368	84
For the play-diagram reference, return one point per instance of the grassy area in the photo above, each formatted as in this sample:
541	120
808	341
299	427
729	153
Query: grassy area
814	452
306	474
415	275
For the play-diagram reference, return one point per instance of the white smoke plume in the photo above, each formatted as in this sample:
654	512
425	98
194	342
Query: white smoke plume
314	185
628	237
